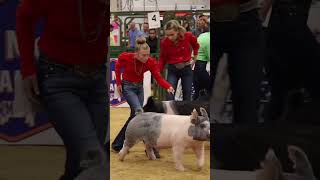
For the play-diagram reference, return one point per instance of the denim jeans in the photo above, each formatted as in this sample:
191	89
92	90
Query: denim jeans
186	76
133	93
200	78
77	108
243	41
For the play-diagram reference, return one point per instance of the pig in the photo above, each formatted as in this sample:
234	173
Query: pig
164	131
272	168
175	107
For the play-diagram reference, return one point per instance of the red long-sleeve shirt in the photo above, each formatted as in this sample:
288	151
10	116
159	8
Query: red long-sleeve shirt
171	53
61	38
134	69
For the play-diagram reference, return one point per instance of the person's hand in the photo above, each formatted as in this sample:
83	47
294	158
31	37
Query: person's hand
264	10
31	88
195	57
119	88
170	90
193	63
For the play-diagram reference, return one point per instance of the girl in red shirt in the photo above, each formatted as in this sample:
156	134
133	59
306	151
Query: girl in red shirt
134	65
176	52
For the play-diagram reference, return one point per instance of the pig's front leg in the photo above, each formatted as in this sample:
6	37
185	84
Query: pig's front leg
199	151
177	155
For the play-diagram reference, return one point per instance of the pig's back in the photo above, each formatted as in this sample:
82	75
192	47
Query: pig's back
173	127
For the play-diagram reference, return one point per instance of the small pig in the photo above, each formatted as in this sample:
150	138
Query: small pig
165	131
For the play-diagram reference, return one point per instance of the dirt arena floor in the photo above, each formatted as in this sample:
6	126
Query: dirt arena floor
31	162
136	165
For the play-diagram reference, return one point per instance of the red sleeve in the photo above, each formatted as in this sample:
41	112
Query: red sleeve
119	65
194	43
163	56
28	13
154	69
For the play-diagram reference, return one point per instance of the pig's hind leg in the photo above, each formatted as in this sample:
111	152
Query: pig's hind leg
150	152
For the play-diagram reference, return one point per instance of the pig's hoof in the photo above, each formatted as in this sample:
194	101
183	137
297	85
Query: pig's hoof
199	168
121	156
180	168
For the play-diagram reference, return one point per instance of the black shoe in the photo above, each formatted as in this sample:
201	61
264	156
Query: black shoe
115	150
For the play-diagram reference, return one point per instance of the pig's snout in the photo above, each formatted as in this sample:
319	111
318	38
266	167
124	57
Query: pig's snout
208	136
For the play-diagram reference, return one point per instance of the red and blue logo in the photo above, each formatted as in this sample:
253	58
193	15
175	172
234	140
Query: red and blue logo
18	119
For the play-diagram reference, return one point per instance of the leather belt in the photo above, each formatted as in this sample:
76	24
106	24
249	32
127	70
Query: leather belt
83	70
182	64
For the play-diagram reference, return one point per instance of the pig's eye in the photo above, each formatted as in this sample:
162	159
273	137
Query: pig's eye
202	126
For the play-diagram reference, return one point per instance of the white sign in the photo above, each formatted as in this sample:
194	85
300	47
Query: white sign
154	20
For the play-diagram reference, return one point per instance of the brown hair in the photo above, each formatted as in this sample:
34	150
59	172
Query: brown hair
141	44
175	25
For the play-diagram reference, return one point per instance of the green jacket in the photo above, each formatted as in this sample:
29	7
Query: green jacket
204	50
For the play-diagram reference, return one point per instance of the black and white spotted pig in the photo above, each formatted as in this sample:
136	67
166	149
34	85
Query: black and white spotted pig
165	131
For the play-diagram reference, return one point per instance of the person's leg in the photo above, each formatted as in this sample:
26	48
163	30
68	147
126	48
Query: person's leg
130	94
245	68
221	91
98	106
311	48
203	77
62	93
196	79
172	78
186	82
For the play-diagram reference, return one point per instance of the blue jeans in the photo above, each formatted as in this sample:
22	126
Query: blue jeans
133	93
77	107
186	76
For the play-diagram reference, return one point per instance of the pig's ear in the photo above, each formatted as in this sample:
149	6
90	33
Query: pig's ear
194	116
204	113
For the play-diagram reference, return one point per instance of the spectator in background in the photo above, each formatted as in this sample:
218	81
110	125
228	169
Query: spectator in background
112	41
186	25
145	29
115	23
201	76
152	41
133	34
206	19
202	26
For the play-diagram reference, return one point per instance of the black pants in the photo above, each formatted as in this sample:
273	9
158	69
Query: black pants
119	140
243	41
200	78
292	65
